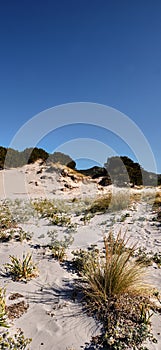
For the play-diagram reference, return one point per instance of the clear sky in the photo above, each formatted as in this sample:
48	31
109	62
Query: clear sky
102	51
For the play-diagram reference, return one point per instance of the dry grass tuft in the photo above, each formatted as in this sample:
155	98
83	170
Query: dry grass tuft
115	293
116	271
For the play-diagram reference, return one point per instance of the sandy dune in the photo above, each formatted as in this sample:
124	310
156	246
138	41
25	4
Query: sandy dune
54	320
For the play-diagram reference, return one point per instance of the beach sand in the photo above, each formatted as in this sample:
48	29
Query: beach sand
54	319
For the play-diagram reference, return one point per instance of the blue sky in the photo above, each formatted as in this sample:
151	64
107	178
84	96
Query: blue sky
56	52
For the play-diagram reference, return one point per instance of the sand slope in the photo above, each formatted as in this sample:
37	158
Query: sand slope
54	319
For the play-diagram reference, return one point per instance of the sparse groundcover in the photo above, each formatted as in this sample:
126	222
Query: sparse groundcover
110	202
115	294
60	220
8	340
21	210
17	309
82	257
6	219
55	212
8	225
46	208
59	247
23	269
17	234
15	341
148	257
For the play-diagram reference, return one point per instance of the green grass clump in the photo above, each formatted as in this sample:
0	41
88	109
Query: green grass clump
23	269
14	342
3	315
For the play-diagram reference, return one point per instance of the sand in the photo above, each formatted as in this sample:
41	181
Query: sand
54	319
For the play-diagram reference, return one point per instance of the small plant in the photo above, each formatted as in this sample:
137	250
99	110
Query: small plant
22	269
45	208
144	257
60	220
145	314
3	316
6	235
22	235
86	218
59	247
157	259
123	217
147	258
14	342
83	257
6	219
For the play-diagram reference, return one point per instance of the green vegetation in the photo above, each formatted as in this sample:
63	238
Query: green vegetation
86	218
11	158
6	219
59	247
18	235
123	171
3	315
83	257
54	211
110	202
112	283
14	158
8	341
23	269
60	220
148	258
14	342
117	170
47	208
61	158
